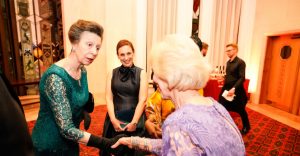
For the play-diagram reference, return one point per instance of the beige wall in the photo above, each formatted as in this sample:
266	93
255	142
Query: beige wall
88	10
271	17
126	19
259	18
120	21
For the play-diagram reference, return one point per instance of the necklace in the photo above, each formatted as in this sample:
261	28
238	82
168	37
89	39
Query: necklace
75	73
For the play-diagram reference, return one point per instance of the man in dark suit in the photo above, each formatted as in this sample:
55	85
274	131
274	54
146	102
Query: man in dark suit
14	134
234	80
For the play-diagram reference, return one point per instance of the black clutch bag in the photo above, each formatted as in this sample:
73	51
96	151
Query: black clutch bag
89	106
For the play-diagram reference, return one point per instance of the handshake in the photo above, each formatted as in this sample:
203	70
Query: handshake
105	144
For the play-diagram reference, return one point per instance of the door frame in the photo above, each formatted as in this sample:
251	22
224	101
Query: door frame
267	66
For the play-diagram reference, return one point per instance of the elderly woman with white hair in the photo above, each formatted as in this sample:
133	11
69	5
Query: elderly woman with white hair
199	125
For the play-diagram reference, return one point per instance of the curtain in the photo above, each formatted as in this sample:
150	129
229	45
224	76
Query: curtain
224	30
167	17
161	20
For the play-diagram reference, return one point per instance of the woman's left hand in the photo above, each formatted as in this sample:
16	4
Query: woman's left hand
131	127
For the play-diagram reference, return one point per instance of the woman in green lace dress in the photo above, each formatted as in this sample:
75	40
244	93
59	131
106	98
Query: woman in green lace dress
63	94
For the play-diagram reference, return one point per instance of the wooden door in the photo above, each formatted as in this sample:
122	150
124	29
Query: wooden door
282	90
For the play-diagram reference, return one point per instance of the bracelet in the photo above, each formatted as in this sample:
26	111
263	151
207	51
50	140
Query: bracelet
146	148
135	124
134	142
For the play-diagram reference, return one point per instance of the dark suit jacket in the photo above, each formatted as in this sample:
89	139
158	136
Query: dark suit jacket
14	135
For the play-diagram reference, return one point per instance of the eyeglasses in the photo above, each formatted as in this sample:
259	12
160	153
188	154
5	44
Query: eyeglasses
229	50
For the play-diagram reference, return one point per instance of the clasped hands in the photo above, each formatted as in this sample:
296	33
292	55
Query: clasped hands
111	145
117	124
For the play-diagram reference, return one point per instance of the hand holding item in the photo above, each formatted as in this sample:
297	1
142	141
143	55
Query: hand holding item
130	127
231	92
228	95
118	125
126	116
123	124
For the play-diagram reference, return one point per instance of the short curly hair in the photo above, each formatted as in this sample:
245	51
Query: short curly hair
178	61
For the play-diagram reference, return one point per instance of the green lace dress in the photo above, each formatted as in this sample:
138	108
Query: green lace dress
61	104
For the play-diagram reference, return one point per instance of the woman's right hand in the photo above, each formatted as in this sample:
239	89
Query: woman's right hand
117	125
123	141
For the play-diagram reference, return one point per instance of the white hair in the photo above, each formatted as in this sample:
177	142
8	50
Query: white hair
178	61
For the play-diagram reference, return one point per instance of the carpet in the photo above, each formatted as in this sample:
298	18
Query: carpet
269	137
96	128
266	137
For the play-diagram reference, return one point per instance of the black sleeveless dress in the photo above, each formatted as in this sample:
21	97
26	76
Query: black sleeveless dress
125	86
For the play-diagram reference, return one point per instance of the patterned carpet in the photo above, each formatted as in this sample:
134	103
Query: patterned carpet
266	137
270	137
96	126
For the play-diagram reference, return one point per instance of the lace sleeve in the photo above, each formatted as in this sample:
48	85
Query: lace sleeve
179	142
60	106
156	145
